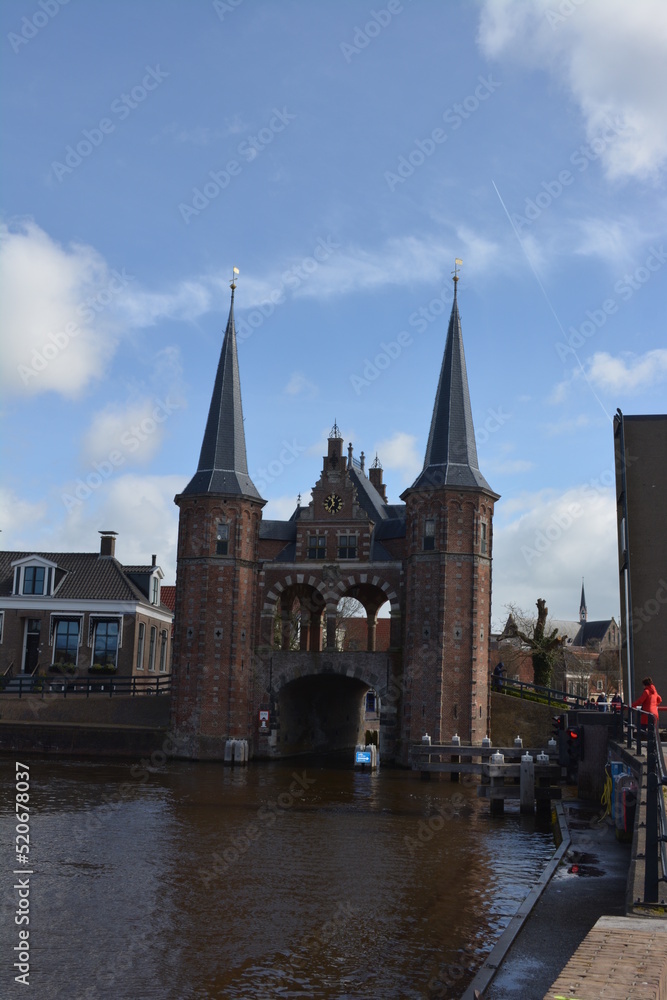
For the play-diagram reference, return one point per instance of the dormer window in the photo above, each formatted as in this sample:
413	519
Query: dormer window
155	589
34	577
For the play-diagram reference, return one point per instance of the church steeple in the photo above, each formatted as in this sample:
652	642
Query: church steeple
223	464
583	610
451	452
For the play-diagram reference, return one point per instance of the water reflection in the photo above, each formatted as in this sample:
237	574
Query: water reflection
277	880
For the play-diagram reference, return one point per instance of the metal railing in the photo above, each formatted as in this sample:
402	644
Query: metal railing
65	686
552	696
640	734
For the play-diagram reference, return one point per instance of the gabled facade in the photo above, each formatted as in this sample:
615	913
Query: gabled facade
257	650
81	614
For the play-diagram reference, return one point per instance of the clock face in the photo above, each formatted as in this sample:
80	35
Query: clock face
333	503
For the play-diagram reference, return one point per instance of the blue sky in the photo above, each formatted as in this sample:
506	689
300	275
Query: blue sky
341	155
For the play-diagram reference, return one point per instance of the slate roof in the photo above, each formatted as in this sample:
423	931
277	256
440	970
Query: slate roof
592	632
223	462
278	530
88	576
451	452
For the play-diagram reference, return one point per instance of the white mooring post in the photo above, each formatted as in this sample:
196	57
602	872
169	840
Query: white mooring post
527	783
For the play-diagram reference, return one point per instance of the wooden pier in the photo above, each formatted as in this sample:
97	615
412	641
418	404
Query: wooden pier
515	776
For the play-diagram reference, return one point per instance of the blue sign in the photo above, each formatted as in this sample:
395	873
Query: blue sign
362	757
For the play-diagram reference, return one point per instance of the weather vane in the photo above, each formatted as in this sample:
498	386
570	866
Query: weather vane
457	265
235	271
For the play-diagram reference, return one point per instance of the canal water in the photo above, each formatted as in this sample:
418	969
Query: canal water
290	880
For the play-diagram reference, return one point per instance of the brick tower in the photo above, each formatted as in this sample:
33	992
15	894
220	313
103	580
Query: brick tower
217	576
449	511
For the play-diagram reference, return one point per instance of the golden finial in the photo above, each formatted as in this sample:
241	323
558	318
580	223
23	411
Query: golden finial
235	271
457	264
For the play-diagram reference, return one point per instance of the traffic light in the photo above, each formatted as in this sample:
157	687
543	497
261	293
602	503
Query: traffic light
574	742
557	725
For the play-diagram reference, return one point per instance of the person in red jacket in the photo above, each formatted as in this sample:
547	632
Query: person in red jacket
648	700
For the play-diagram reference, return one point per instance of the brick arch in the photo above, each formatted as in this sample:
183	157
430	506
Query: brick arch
361	581
290	580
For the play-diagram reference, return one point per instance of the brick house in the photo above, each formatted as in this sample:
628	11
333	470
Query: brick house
83	614
242	582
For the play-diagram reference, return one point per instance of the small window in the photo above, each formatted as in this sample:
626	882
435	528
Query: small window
155	592
483	539
222	540
163	651
317	546
347	546
33	579
106	644
141	638
66	642
429	534
151	649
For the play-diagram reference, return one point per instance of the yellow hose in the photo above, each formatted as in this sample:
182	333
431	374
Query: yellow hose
606	795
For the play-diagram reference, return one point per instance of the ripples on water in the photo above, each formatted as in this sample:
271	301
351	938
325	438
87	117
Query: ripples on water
337	892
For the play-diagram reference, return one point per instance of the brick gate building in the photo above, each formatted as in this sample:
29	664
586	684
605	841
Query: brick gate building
256	619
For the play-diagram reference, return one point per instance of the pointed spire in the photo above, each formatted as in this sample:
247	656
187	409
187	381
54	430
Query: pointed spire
451	452
223	464
583	610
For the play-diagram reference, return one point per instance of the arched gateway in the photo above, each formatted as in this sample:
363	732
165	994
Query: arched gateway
258	646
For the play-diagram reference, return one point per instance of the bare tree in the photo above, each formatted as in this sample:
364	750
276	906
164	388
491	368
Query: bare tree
544	644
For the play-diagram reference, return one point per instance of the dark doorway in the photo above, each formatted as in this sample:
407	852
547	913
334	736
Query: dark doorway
32	635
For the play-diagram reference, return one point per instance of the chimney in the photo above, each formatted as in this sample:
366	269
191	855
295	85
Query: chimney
154	562
108	543
375	476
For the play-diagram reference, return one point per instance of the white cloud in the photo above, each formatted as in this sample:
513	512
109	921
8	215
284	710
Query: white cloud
611	55
626	373
130	435
399	452
16	513
543	544
299	385
140	508
57	327
281	508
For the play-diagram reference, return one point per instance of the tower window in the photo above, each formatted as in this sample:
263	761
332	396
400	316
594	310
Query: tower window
429	534
222	540
483	546
317	546
347	546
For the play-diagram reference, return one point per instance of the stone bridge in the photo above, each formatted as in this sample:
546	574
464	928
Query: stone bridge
318	700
